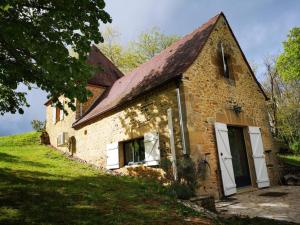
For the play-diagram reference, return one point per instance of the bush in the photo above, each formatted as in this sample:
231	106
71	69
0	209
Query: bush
187	172
181	191
38	125
295	147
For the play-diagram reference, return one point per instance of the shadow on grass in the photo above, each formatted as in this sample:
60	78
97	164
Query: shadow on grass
4	157
31	198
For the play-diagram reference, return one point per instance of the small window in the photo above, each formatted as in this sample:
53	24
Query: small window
134	151
225	60
226	67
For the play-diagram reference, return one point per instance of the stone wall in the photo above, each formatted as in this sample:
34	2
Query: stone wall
96	91
207	96
145	114
210	98
65	125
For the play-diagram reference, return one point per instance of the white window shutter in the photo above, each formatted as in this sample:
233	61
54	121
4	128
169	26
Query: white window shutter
152	151
259	158
61	114
225	159
53	114
112	153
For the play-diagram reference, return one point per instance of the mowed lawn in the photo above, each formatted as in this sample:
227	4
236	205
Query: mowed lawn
38	185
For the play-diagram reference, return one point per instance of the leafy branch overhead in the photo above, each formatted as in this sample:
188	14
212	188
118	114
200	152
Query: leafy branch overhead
34	41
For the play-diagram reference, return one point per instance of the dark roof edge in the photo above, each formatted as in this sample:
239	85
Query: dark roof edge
245	59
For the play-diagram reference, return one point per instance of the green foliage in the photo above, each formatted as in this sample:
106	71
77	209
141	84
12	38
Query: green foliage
151	42
40	186
295	147
293	160
127	58
284	106
288	62
38	125
181	191
34	41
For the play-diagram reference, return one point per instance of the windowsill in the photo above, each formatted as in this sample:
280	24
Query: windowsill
140	164
229	81
136	164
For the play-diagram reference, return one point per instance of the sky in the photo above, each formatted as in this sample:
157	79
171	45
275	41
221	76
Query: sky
260	26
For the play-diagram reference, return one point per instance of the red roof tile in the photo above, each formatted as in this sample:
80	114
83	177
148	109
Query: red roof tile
167	65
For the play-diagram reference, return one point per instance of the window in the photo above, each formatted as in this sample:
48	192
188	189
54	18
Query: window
134	151
57	114
225	60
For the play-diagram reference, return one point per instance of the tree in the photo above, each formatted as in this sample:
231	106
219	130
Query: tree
288	63
151	42
274	86
130	56
284	105
38	125
34	41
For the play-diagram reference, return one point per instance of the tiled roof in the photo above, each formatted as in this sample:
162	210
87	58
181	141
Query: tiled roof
108	74
167	65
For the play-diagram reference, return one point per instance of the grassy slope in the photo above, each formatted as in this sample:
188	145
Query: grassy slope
40	186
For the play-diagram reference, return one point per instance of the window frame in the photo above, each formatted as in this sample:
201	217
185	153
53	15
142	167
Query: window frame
225	62
142	151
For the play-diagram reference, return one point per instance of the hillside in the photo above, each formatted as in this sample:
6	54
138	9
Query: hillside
38	185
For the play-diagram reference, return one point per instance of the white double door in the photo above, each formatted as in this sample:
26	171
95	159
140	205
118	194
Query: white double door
225	158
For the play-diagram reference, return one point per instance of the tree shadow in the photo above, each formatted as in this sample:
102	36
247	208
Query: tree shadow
39	198
4	157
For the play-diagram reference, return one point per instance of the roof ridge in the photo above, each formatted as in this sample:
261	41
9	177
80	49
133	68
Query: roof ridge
176	42
167	65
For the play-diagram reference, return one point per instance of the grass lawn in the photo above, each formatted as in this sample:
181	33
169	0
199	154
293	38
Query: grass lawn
40	186
291	159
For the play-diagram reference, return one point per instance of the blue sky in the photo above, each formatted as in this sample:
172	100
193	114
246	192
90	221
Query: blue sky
259	25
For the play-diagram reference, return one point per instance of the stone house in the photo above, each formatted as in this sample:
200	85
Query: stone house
199	97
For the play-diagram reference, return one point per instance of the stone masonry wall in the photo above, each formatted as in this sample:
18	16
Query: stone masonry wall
65	125
209	98
145	114
96	91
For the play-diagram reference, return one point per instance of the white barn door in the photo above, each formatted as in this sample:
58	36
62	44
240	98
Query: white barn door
259	158
225	159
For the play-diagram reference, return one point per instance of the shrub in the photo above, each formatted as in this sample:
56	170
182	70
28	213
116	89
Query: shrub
38	125
187	172
295	147
181	191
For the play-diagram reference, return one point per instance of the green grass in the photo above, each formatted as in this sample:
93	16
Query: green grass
40	186
293	160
